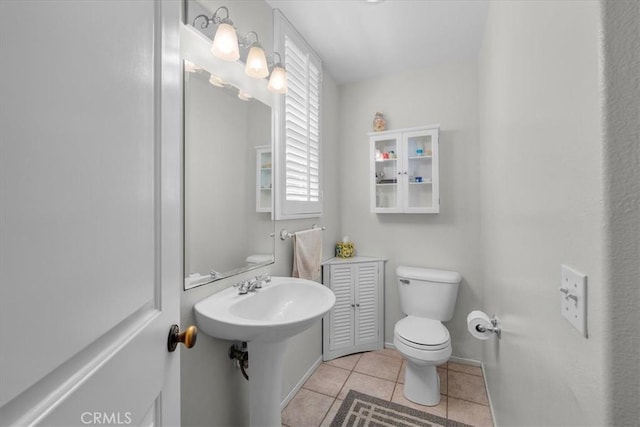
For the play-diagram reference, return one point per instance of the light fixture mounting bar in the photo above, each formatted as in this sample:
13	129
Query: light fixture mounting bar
215	19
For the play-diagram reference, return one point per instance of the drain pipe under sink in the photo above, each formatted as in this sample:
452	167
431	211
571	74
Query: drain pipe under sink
241	355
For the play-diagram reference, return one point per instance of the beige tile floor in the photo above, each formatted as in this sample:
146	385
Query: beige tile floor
381	374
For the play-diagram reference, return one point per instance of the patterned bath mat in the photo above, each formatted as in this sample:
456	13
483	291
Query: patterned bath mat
362	410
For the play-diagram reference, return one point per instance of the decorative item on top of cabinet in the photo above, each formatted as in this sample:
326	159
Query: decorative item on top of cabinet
404	176
356	321
379	123
264	183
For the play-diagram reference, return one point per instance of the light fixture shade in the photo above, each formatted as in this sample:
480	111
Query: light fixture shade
278	80
245	96
225	43
190	67
216	81
256	63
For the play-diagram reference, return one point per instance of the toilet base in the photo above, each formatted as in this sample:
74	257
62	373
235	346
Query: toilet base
422	384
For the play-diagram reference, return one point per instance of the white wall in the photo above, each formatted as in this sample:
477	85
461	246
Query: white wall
449	240
542	206
621	152
214	393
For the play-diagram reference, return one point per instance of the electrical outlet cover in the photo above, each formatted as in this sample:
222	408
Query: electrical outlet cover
574	309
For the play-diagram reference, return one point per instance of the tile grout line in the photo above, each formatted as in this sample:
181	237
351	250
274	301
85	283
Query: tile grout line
327	413
447	412
324	394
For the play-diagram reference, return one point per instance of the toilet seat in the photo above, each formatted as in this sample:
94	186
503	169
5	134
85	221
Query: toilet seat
422	334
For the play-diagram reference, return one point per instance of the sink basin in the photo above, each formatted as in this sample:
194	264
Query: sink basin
279	310
265	319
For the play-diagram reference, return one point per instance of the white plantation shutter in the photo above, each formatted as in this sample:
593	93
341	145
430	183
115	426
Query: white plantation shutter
298	135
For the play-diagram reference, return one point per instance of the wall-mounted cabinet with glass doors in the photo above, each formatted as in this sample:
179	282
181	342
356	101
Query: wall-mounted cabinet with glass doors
264	182
404	170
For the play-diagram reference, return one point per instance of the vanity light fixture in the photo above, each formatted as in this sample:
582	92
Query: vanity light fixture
190	67
225	42
256	59
216	81
244	95
226	46
278	79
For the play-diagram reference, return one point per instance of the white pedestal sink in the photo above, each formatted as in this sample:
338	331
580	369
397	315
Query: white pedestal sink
265	319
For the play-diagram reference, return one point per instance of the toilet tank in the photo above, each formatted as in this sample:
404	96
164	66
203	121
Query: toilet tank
428	293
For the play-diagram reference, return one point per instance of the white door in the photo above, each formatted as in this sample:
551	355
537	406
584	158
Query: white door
367	313
341	323
90	251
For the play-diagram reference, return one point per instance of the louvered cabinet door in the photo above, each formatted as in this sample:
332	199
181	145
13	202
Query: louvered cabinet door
354	324
366	290
342	315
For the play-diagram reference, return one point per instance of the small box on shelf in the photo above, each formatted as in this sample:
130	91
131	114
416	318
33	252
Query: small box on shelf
345	250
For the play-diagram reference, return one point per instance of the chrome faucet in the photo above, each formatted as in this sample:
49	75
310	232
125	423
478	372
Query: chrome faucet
246	286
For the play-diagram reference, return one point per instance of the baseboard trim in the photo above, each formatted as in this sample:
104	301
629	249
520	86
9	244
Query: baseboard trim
300	383
486	387
464	361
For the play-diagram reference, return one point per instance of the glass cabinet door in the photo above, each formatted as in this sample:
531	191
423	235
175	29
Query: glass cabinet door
264	185
419	155
387	173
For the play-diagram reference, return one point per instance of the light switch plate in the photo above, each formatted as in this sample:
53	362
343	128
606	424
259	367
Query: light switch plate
573	298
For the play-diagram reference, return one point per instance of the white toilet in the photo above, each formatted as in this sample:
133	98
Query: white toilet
428	298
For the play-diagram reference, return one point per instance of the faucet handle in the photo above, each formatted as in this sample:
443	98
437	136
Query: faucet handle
258	281
243	287
264	278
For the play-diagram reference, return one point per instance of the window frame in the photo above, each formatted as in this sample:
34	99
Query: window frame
290	209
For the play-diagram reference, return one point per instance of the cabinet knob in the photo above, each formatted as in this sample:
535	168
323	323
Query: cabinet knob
358	305
353	305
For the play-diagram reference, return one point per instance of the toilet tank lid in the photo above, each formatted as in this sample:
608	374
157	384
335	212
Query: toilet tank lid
432	275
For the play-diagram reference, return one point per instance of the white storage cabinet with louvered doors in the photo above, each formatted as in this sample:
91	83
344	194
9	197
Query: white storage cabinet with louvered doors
355	323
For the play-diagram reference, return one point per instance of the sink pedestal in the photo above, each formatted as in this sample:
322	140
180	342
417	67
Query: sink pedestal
266	362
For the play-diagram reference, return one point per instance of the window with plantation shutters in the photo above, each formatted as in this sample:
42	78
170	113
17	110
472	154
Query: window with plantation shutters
298	139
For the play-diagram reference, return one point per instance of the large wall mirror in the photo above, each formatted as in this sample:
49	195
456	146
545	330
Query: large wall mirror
227	162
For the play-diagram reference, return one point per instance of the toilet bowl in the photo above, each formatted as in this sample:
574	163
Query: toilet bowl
428	297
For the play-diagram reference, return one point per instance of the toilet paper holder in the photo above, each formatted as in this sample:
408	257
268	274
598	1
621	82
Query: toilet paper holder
494	328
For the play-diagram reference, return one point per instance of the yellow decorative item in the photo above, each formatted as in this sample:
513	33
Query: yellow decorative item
345	250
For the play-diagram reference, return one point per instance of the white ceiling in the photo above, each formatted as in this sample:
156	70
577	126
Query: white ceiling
358	40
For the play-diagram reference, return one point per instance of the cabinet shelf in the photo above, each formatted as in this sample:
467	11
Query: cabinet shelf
420	157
